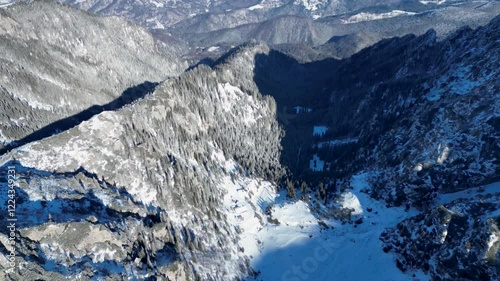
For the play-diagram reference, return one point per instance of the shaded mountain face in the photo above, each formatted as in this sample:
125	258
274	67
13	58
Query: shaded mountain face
428	114
405	100
421	115
74	62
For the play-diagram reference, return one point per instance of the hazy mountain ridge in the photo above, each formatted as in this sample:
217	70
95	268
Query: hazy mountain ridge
209	23
185	27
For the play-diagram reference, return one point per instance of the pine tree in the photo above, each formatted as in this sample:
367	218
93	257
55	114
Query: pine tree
290	188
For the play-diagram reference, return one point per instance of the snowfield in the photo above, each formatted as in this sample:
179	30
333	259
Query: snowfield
288	243
438	2
447	198
311	5
5	3
370	16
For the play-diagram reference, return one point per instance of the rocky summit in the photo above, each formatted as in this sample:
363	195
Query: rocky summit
250	140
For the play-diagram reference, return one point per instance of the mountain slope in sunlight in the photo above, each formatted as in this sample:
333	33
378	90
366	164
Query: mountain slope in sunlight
75	61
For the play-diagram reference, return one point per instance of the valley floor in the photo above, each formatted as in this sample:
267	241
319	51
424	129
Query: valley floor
291	245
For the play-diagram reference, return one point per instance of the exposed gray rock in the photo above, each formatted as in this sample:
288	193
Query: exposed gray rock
455	241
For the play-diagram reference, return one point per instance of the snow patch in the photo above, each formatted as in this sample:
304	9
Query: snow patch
444	235
228	165
157	4
370	16
494	238
444	155
231	95
316	164
4	140
213	49
338	142
35	104
158	25
100	255
349	200
294	214
319	130
256	7
310	5
300	110
426	2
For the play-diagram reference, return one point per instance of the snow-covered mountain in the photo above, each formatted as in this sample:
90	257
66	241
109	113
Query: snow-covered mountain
313	28
76	62
257	167
154	184
421	116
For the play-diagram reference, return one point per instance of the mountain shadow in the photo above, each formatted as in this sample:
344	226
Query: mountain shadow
302	100
324	106
129	96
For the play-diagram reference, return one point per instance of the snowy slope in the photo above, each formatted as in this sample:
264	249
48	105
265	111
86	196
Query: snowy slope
370	16
75	64
145	166
5	3
293	245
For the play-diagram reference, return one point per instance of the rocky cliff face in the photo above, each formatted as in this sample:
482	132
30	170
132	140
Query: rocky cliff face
424	117
456	239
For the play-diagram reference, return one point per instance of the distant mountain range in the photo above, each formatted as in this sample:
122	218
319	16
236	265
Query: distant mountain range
309	29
